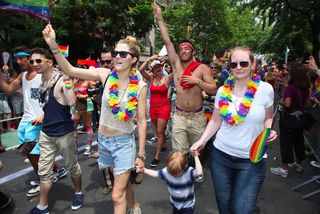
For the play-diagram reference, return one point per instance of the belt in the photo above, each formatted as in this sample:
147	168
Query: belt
193	112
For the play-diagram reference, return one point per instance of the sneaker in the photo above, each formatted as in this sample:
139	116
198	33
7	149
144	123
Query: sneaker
26	161
139	178
35	183
136	210
296	166
33	191
152	140
87	150
315	164
154	163
77	201
167	133
61	172
36	210
4	201
279	171
199	179
106	190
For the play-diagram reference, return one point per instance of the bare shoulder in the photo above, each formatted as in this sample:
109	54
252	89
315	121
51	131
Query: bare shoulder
103	73
204	68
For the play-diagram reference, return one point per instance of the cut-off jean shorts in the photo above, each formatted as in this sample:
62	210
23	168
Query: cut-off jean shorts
117	152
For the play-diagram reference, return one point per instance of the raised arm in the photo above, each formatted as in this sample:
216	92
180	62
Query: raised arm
98	74
13	86
143	67
173	57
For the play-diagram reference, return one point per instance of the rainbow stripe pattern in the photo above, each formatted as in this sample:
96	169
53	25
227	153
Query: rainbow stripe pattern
38	8
259	146
64	50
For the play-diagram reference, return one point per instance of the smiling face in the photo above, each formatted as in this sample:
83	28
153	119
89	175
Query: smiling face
185	53
157	69
39	63
120	63
243	64
23	62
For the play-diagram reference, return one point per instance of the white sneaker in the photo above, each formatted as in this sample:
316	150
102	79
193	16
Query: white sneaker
296	166
152	140
199	179
279	171
315	164
33	191
87	152
136	210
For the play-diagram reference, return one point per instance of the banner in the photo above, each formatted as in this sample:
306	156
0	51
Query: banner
38	8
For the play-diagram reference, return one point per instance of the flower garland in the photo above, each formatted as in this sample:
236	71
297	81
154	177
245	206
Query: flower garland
128	112
244	107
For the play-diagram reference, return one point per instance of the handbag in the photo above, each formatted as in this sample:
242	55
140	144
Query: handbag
297	119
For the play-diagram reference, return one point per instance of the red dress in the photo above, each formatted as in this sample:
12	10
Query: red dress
159	102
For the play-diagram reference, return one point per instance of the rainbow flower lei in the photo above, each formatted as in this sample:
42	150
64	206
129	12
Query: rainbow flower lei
244	107
316	94
128	112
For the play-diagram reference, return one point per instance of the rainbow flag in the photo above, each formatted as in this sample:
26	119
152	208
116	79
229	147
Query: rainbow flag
38	8
214	58
259	146
64	50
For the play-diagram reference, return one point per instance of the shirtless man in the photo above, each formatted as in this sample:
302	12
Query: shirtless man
188	122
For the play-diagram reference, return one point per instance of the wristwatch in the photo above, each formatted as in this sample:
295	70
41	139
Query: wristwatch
143	157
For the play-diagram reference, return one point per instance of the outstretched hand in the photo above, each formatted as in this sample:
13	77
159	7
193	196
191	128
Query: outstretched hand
49	35
157	11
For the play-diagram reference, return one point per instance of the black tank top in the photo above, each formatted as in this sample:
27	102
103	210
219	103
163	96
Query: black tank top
57	118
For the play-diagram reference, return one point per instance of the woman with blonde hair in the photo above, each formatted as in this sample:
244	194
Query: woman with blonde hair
124	97
243	109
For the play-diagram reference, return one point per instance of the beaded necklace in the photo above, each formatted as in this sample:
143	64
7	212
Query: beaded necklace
244	107
114	101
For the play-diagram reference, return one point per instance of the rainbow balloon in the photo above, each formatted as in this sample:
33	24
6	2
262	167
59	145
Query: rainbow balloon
259	146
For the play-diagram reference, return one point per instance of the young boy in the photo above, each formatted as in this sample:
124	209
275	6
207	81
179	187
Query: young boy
180	179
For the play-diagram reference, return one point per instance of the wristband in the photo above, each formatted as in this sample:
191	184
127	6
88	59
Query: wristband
55	51
68	85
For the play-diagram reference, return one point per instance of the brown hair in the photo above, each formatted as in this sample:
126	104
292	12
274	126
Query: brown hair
245	49
133	44
176	163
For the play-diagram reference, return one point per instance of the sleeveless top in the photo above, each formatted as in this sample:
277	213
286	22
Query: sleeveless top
158	95
30	91
57	118
107	118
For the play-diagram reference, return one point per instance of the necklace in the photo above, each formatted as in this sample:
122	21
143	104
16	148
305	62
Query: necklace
114	101
244	107
44	91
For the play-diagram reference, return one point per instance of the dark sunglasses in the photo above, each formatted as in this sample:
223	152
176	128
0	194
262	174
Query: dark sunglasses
243	64
38	61
122	54
213	67
105	61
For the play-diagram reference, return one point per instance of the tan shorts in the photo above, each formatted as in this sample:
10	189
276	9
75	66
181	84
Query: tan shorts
186	130
50	147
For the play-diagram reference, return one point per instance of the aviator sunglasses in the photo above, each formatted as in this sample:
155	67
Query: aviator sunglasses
122	54
105	61
243	64
38	61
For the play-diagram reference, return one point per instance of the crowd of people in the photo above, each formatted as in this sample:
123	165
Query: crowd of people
112	98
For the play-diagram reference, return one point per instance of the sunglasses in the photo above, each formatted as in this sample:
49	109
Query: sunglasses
105	61
243	64
213	67
38	61
122	54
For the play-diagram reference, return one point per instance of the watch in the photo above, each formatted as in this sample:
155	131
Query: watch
143	157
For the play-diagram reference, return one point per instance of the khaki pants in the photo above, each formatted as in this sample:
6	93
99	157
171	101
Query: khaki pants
186	130
49	147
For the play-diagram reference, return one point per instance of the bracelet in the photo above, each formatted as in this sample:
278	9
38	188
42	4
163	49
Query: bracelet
68	85
55	51
200	82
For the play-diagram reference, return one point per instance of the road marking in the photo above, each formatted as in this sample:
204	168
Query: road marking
29	169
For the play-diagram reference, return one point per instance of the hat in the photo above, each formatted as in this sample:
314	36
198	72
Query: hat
154	63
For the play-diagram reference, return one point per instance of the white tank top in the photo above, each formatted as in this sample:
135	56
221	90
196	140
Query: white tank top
30	90
107	118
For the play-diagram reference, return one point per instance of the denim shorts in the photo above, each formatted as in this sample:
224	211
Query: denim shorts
117	152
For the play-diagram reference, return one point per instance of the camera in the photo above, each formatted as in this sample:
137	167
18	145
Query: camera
96	89
306	57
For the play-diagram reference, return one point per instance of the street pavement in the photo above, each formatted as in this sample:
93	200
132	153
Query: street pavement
276	196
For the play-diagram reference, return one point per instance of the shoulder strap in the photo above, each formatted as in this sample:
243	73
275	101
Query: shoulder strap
105	82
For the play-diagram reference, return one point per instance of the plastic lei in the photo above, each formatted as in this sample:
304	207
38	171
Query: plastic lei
128	112
244	107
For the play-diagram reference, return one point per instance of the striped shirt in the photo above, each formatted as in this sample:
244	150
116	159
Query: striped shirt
181	189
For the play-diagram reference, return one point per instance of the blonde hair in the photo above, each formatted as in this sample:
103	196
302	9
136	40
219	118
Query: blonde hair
133	44
245	49
176	163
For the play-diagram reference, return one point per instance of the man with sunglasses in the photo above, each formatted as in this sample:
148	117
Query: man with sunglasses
31	123
105	58
57	135
190	78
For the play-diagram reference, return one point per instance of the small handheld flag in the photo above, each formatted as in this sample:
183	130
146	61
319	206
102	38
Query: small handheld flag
64	50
